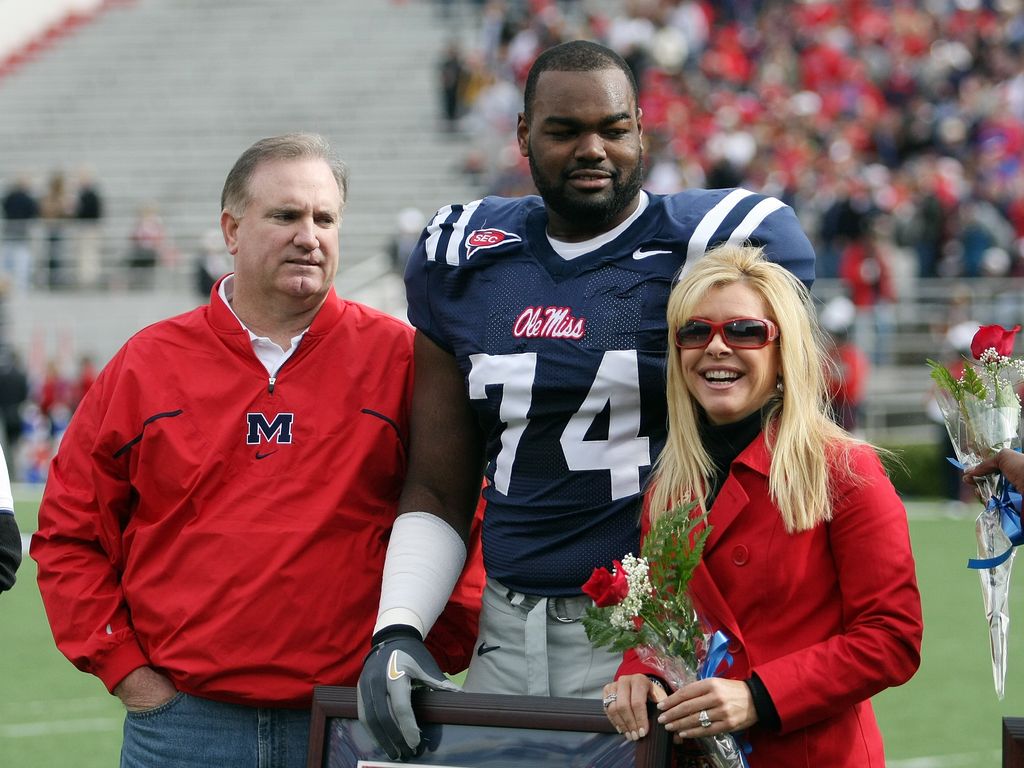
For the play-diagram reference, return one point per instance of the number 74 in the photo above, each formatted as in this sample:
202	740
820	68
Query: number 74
616	386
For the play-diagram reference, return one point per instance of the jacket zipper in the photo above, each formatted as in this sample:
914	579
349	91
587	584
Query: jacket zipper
272	381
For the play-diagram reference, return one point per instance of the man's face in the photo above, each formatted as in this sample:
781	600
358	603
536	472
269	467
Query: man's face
285	244
583	143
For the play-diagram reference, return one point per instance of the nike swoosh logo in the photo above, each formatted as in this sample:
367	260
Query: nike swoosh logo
264	455
484	648
639	253
394	673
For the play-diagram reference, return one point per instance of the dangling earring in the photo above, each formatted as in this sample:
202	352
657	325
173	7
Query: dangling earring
778	385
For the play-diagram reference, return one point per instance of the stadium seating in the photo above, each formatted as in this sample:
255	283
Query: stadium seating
159	98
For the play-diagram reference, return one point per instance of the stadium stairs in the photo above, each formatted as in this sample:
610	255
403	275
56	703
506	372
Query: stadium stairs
158	98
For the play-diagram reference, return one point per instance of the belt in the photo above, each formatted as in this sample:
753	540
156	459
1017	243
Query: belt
565	610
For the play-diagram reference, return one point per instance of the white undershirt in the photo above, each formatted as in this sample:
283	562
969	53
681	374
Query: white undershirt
570	251
269	353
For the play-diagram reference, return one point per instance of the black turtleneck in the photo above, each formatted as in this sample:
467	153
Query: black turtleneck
724	442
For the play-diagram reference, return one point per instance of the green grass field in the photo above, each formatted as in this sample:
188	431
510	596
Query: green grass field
946	717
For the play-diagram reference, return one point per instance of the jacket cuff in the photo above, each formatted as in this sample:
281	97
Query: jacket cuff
115	666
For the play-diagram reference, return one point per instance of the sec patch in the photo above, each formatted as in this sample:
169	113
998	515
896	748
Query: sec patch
480	239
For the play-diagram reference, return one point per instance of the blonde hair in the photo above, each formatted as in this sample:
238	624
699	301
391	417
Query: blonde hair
802	439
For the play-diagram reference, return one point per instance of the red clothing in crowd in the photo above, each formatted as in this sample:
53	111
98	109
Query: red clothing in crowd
846	382
865	270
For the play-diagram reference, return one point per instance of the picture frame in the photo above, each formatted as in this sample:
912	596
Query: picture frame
473	730
1013	742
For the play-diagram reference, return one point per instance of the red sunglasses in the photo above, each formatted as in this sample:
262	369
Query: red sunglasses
740	332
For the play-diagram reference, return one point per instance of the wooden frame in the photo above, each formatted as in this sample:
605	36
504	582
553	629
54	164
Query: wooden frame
499	723
1013	742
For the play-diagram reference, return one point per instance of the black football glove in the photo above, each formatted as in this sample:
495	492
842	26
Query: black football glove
397	662
10	549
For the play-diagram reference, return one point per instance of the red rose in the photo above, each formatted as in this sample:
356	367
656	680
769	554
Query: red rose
993	337
605	587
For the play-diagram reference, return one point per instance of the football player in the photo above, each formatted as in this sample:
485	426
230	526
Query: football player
540	360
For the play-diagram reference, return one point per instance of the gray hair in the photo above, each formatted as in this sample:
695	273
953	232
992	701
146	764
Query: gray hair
290	146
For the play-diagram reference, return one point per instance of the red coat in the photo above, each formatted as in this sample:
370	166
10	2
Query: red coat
826	618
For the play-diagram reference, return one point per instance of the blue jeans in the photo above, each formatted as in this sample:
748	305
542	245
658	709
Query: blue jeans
190	732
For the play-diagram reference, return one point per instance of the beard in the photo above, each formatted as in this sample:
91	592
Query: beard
589	213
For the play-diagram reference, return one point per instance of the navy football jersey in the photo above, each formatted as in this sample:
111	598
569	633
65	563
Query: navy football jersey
564	362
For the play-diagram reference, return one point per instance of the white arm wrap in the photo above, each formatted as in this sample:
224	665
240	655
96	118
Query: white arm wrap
424	560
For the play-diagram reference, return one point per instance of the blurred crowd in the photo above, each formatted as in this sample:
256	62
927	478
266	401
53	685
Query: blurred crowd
895	129
55	238
52	238
35	408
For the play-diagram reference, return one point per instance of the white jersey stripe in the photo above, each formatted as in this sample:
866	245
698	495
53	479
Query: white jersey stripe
753	220
459	233
435	232
711	222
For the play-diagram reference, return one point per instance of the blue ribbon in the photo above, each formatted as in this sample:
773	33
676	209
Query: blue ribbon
718	652
1008	506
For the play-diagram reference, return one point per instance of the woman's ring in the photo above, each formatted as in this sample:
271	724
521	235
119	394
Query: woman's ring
606	702
702	717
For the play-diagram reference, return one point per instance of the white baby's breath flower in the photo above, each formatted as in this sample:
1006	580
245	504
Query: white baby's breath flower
639	581
621	617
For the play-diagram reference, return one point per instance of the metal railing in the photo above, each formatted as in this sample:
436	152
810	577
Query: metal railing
895	407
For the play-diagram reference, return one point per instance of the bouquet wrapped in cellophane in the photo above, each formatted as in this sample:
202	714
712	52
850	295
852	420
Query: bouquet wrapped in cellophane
982	414
642	603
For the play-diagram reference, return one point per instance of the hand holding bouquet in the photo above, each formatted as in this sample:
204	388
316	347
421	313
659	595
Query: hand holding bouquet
982	414
642	603
981	408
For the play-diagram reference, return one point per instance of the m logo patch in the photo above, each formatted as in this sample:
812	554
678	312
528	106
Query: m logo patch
277	431
480	239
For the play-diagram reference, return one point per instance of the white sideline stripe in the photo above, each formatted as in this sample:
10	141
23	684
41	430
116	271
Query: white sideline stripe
67	708
948	761
26	539
930	512
50	727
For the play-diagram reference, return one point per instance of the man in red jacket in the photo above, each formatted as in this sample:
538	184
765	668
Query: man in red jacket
212	534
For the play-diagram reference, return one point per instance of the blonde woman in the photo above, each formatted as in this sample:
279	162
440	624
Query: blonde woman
808	568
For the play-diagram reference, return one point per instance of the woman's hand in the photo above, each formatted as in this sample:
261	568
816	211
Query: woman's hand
626	704
727	704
